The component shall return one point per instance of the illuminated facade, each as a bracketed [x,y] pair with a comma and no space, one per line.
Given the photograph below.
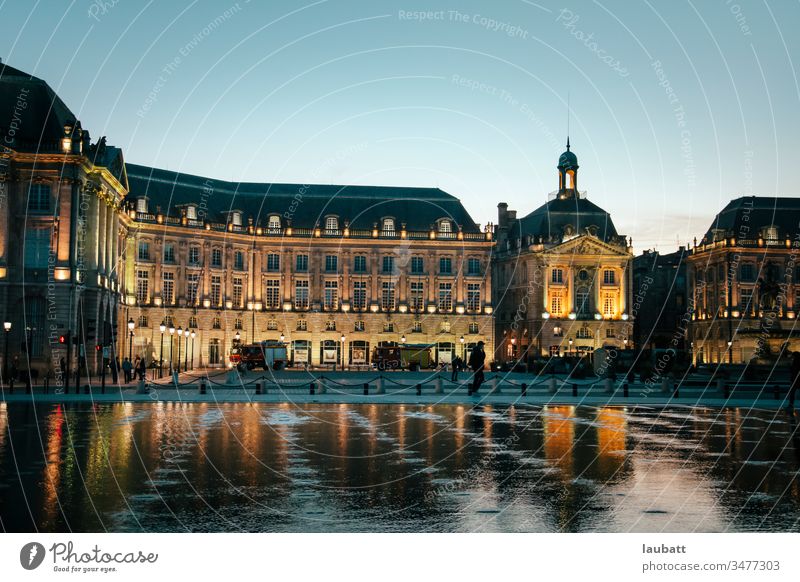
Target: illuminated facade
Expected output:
[60,202]
[334,271]
[744,282]
[561,276]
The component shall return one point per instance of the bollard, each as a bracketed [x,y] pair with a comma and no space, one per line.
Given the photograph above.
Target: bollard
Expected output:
[419,389]
[366,389]
[203,387]
[258,388]
[625,389]
[379,386]
[312,389]
[524,389]
[776,392]
[675,391]
[552,387]
[437,384]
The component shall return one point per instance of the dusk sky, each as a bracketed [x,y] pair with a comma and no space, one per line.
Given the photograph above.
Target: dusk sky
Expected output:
[676,107]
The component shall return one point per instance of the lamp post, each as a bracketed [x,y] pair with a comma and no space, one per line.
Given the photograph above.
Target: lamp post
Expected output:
[131,325]
[730,352]
[283,337]
[7,329]
[342,339]
[463,353]
[171,333]
[570,346]
[180,335]
[186,351]
[163,328]
[403,339]
[193,336]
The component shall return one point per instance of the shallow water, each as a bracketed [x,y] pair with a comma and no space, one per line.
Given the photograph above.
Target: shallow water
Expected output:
[331,467]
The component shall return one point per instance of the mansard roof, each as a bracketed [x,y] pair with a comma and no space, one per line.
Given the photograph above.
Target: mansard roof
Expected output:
[747,216]
[551,220]
[306,205]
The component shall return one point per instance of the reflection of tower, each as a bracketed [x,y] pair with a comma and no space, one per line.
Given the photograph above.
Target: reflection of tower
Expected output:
[567,174]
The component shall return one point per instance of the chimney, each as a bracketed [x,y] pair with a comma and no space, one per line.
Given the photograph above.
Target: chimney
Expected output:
[502,214]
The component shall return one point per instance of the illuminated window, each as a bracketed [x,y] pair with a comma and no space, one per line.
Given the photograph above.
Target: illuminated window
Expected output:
[144,250]
[473,328]
[387,296]
[272,294]
[417,295]
[302,325]
[194,255]
[272,325]
[39,198]
[556,304]
[237,324]
[331,298]
[359,325]
[445,296]
[192,286]
[142,287]
[169,253]
[216,290]
[168,288]
[417,327]
[445,227]
[330,325]
[388,327]
[273,262]
[359,295]
[141,205]
[274,224]
[301,294]
[191,212]
[557,276]
[237,219]
[608,305]
[584,333]
[608,277]
[388,226]
[473,296]
[216,257]
[237,292]
[331,224]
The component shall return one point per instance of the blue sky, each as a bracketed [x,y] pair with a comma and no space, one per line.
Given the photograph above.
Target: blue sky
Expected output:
[676,107]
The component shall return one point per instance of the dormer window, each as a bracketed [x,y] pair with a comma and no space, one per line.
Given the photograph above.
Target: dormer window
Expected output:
[445,227]
[388,226]
[191,212]
[331,224]
[771,233]
[274,223]
[141,205]
[236,218]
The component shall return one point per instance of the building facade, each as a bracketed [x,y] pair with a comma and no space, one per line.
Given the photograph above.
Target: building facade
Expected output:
[660,305]
[561,276]
[61,198]
[744,282]
[334,271]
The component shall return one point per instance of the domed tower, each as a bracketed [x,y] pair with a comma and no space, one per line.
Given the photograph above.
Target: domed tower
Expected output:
[567,174]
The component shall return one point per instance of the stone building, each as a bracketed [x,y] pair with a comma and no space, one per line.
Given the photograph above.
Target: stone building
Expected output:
[561,276]
[744,282]
[659,302]
[60,202]
[334,271]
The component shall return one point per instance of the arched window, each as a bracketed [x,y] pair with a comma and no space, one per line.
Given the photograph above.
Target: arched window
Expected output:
[388,226]
[274,223]
[331,224]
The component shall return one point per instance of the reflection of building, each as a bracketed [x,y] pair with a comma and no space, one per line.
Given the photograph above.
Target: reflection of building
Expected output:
[561,275]
[745,281]
[659,300]
[334,270]
[60,198]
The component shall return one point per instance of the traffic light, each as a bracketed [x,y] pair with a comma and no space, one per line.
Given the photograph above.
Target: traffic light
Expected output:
[62,339]
[97,347]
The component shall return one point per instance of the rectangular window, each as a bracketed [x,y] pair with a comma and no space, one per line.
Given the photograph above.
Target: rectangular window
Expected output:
[445,297]
[417,327]
[473,328]
[215,323]
[302,325]
[216,290]
[330,325]
[142,287]
[582,303]
[169,253]
[301,264]
[748,272]
[359,264]
[388,264]
[331,298]
[301,294]
[272,325]
[608,277]
[608,305]
[387,295]
[237,292]
[272,294]
[331,263]
[168,288]
[238,261]
[39,198]
[557,276]
[192,288]
[273,262]
[746,299]
[445,265]
[473,267]
[473,296]
[144,250]
[556,306]
[417,295]
[417,265]
[216,258]
[194,255]
[359,295]
[610,332]
[359,326]
[37,248]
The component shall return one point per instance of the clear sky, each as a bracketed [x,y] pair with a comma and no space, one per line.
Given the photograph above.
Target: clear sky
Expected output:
[677,107]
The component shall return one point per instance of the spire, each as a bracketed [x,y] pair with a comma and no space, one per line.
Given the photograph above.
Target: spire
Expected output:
[567,142]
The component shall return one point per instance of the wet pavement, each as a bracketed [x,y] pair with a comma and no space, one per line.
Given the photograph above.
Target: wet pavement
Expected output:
[302,467]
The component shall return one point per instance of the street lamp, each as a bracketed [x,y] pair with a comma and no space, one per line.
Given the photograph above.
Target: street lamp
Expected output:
[341,339]
[283,337]
[180,335]
[193,335]
[403,339]
[186,351]
[570,346]
[7,328]
[163,328]
[131,325]
[237,336]
[171,333]
[463,353]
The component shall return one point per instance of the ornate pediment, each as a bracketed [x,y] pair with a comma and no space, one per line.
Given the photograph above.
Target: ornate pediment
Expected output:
[587,245]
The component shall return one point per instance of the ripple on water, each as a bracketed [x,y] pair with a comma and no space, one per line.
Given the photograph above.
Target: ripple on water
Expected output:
[283,418]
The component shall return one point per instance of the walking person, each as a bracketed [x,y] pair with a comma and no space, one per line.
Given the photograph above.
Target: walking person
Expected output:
[456,365]
[794,378]
[126,369]
[141,371]
[476,360]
